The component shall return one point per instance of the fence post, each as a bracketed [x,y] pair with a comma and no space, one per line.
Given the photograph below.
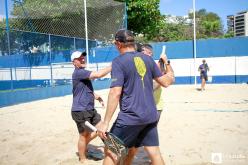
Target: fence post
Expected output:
[125,16]
[86,32]
[74,43]
[50,58]
[7,29]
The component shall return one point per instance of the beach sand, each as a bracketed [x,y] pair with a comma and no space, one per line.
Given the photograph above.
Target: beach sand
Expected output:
[196,128]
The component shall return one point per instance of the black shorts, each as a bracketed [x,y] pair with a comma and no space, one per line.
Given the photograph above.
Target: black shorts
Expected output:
[81,116]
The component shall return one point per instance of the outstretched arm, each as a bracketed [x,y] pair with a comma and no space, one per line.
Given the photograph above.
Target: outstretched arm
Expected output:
[100,73]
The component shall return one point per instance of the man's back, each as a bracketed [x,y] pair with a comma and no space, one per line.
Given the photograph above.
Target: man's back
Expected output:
[134,72]
[136,124]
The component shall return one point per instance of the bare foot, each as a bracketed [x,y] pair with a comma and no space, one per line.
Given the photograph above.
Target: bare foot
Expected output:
[83,161]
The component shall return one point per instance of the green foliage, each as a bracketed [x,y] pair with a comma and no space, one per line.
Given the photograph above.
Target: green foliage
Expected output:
[144,17]
[229,35]
[208,24]
[180,30]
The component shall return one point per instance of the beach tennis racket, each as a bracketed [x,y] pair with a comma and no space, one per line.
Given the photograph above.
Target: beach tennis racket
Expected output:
[113,143]
[161,62]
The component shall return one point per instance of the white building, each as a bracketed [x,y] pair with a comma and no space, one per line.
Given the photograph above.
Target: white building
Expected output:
[238,23]
[178,19]
[2,18]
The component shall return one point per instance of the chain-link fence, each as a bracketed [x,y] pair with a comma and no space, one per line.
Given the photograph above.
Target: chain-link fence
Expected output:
[36,36]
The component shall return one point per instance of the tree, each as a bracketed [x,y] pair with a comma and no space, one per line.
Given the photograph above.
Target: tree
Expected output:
[208,24]
[179,29]
[144,18]
[229,34]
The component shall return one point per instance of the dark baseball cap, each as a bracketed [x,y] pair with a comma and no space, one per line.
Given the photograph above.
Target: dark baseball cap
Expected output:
[138,47]
[124,36]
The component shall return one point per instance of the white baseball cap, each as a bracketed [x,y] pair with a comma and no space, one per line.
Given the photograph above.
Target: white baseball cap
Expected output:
[77,54]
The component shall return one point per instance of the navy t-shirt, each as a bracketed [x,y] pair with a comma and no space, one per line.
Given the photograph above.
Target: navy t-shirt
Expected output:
[83,92]
[134,72]
[203,68]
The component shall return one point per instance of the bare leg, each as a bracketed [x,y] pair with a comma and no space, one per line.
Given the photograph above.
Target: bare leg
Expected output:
[110,158]
[131,153]
[82,145]
[203,84]
[155,155]
[83,141]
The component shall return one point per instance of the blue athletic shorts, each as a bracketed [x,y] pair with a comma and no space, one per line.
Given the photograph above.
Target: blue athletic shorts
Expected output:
[137,135]
[159,114]
[204,76]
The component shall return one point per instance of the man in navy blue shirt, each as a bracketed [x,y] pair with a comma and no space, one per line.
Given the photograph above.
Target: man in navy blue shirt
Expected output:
[203,69]
[132,86]
[83,100]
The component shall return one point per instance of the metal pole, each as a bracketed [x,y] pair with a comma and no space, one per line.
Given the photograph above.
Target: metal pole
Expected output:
[7,29]
[30,72]
[125,15]
[7,24]
[86,31]
[194,41]
[74,40]
[50,56]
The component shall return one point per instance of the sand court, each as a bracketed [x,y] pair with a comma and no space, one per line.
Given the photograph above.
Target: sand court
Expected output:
[196,128]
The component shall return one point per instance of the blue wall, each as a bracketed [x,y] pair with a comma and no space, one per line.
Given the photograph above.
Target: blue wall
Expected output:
[205,48]
[20,96]
[237,46]
[175,50]
[215,79]
[6,84]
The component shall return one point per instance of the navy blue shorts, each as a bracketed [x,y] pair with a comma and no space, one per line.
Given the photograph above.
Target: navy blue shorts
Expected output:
[81,116]
[204,76]
[159,114]
[137,135]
